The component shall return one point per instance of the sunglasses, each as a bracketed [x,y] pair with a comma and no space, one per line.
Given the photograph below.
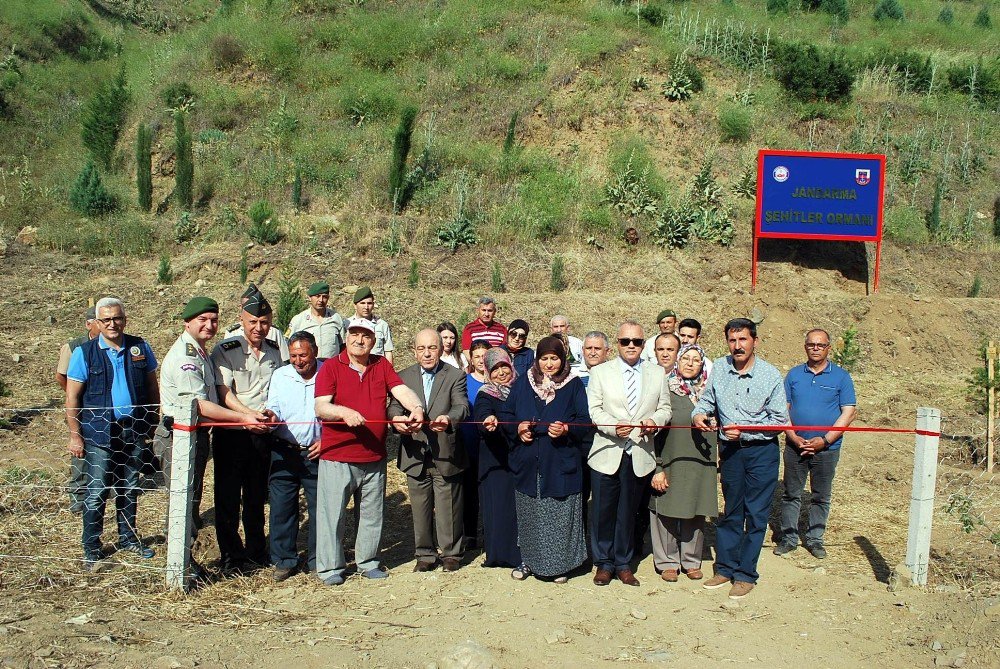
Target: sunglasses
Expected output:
[518,334]
[634,341]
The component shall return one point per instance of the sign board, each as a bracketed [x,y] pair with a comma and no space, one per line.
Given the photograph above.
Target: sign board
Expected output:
[820,196]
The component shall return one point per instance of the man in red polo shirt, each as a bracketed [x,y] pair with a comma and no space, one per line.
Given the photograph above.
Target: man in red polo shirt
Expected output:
[352,389]
[484,327]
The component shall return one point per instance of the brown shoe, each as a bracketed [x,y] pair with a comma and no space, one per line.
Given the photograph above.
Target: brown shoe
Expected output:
[716,581]
[627,577]
[450,564]
[694,574]
[740,589]
[669,575]
[424,566]
[603,577]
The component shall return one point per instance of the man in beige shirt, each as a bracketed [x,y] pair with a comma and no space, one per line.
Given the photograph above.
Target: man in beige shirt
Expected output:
[77,470]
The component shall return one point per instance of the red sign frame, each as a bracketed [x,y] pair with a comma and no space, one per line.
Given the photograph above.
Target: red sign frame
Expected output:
[759,234]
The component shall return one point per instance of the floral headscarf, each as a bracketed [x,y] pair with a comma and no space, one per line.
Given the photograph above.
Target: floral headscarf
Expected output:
[692,388]
[494,358]
[546,386]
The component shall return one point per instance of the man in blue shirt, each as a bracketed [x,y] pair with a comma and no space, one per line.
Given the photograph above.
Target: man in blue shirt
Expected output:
[743,390]
[294,454]
[110,390]
[819,393]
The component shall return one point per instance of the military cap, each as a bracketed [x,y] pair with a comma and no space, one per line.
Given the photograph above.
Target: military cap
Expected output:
[318,288]
[257,305]
[197,306]
[363,293]
[665,314]
[251,289]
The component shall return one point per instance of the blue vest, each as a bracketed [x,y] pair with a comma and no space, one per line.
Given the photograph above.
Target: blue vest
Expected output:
[97,408]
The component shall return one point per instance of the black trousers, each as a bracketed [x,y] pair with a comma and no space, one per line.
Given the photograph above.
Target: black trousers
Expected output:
[242,466]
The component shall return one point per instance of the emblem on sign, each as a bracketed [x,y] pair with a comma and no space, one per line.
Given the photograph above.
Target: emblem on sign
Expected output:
[863,177]
[780,174]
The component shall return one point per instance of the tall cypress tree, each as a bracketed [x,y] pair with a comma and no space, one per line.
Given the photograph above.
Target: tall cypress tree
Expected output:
[144,167]
[184,189]
[104,117]
[400,150]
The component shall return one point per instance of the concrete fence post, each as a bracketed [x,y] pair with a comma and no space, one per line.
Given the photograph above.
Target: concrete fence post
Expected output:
[925,457]
[181,496]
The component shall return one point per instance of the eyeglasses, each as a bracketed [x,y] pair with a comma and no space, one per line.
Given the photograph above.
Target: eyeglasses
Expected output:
[117,320]
[816,345]
[518,334]
[634,341]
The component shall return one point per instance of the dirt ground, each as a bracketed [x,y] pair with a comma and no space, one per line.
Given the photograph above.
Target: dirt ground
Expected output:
[919,341]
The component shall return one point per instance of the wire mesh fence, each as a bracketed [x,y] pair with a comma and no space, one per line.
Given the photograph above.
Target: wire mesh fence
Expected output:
[47,498]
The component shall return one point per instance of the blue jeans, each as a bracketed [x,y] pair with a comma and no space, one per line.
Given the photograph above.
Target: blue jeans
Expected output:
[749,477]
[291,470]
[820,469]
[114,467]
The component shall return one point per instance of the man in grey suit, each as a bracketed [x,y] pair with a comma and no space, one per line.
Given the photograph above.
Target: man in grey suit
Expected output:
[622,393]
[432,456]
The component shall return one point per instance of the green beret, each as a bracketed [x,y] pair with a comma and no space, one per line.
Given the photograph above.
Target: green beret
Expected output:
[257,305]
[197,306]
[363,293]
[664,314]
[251,289]
[318,288]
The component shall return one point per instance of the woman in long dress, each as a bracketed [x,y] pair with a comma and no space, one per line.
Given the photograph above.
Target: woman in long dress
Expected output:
[547,421]
[685,483]
[496,481]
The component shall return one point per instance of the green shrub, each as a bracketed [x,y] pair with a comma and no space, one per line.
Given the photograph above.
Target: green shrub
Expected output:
[778,6]
[746,185]
[947,15]
[888,10]
[10,77]
[461,229]
[652,14]
[933,216]
[734,123]
[164,272]
[557,279]
[976,287]
[184,177]
[67,30]
[290,300]
[118,235]
[848,354]
[263,227]
[88,195]
[400,150]
[810,74]
[279,53]
[982,19]
[144,167]
[186,228]
[510,139]
[177,95]
[244,266]
[837,9]
[630,193]
[225,52]
[996,218]
[673,227]
[905,225]
[414,277]
[980,80]
[297,188]
[497,284]
[103,118]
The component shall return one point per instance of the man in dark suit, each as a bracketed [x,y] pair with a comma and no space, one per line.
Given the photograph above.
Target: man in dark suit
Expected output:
[431,455]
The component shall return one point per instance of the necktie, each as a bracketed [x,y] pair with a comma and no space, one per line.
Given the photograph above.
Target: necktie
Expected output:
[632,390]
[428,384]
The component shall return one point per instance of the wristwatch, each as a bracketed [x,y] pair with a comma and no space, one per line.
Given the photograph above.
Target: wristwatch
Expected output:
[826,441]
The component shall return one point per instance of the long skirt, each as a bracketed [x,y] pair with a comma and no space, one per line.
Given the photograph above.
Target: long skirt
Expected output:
[550,533]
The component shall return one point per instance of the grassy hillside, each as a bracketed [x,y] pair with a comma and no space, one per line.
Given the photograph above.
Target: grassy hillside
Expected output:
[315,88]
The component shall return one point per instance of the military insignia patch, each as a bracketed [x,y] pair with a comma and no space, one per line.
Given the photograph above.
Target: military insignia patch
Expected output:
[272,344]
[230,345]
[188,367]
[135,350]
[191,351]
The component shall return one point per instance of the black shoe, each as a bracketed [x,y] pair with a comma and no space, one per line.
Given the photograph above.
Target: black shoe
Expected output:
[784,547]
[817,550]
[92,560]
[283,573]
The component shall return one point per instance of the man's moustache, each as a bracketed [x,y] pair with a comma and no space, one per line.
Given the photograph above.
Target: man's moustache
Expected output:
[739,351]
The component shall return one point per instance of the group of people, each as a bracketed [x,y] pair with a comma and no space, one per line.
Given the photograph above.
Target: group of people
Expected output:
[566,453]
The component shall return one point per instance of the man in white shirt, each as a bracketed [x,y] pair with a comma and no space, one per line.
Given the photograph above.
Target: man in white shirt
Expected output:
[559,326]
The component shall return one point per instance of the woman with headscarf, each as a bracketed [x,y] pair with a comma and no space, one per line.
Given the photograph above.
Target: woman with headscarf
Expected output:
[450,353]
[547,422]
[496,482]
[474,380]
[521,356]
[685,483]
